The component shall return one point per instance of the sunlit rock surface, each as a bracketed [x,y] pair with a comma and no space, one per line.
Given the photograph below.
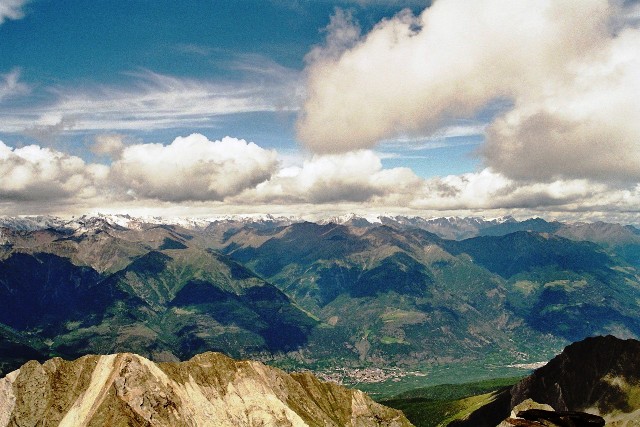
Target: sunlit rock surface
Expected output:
[209,390]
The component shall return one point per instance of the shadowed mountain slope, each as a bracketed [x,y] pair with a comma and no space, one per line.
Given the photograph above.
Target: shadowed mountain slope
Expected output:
[306,294]
[391,292]
[166,303]
[599,375]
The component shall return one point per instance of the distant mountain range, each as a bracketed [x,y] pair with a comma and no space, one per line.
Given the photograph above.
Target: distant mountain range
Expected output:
[104,288]
[352,291]
[452,228]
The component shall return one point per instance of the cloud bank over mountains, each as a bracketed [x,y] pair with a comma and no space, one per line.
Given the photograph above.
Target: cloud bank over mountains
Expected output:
[194,175]
[38,174]
[568,69]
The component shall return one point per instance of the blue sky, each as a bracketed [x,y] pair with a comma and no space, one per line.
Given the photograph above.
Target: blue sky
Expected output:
[365,105]
[85,45]
[87,40]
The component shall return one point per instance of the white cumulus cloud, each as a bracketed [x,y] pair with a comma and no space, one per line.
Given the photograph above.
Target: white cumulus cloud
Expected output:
[327,179]
[11,9]
[192,168]
[34,173]
[586,127]
[109,144]
[567,71]
[195,174]
[490,190]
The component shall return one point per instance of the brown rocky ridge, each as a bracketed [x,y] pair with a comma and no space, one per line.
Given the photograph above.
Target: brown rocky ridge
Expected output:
[209,390]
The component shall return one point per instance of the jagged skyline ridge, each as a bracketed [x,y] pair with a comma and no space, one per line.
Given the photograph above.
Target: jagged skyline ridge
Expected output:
[452,227]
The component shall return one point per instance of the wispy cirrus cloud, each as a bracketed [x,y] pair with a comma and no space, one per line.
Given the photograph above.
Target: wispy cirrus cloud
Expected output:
[446,136]
[160,101]
[11,86]
[194,49]
[156,101]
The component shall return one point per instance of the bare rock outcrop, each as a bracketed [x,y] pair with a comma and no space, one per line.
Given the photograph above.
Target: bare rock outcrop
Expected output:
[209,390]
[592,382]
[533,414]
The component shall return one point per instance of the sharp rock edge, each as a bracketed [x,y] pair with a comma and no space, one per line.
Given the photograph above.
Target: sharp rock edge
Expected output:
[208,390]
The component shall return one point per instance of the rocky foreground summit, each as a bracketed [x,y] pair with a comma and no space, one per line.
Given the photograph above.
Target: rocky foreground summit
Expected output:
[592,382]
[209,390]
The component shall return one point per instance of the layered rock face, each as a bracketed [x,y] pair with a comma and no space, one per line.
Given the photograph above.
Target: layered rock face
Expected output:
[599,375]
[208,390]
[592,382]
[532,414]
